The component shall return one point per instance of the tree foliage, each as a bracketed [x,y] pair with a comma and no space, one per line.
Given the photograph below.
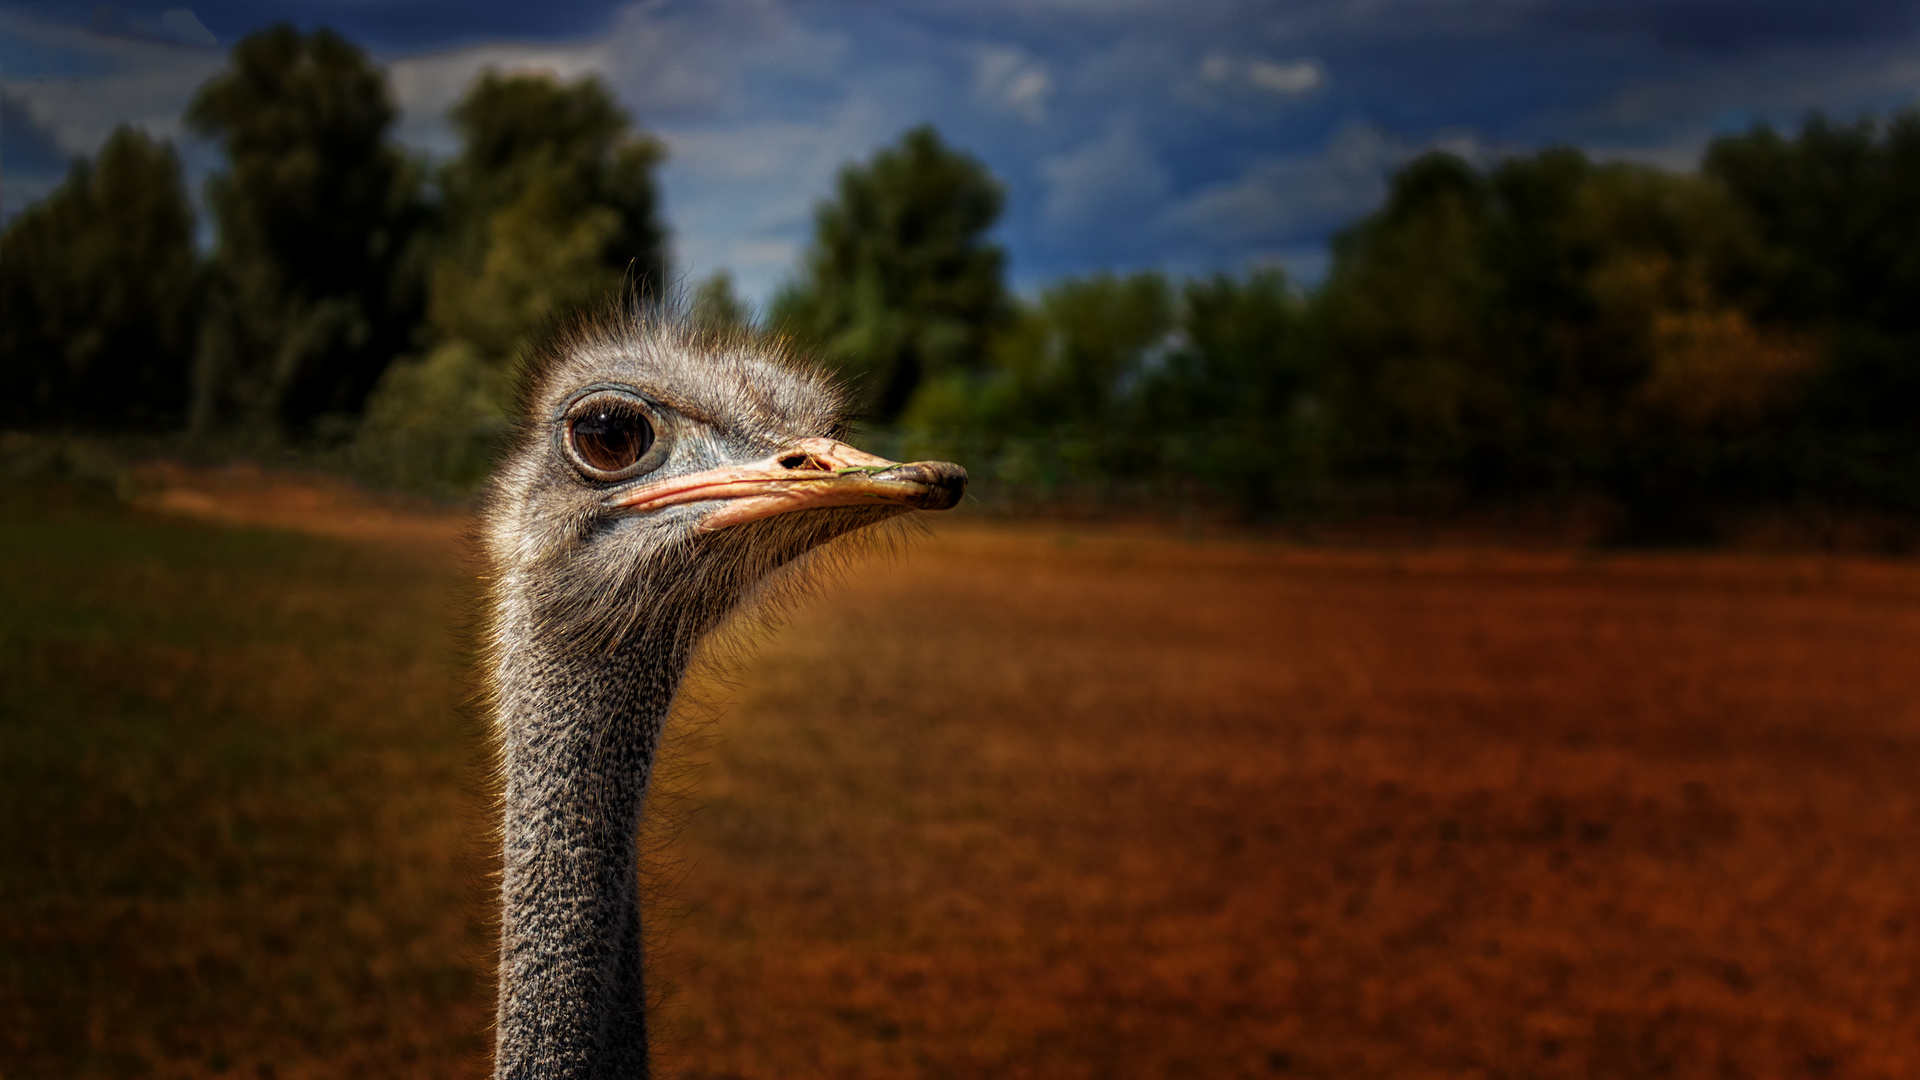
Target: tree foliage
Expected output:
[315,274]
[901,285]
[98,290]
[715,306]
[1238,402]
[1552,327]
[550,202]
[1067,361]
[1543,330]
[1129,379]
[1839,206]
[549,207]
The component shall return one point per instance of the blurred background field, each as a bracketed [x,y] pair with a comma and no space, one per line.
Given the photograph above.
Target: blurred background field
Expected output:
[1031,801]
[238,801]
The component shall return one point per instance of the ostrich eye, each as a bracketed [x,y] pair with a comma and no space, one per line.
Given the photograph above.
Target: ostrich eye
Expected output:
[610,436]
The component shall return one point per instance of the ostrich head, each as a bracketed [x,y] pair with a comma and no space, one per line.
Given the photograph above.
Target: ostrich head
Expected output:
[659,477]
[660,471]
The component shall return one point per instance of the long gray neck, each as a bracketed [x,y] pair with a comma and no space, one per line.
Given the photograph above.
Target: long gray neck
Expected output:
[579,733]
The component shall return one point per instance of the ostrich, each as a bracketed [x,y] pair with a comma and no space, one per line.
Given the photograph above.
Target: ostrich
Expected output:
[660,476]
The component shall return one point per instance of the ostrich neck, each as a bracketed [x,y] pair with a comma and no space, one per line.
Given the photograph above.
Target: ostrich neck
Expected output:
[579,732]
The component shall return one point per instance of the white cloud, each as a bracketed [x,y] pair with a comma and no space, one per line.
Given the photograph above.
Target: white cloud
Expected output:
[1287,77]
[1218,67]
[1297,77]
[1009,78]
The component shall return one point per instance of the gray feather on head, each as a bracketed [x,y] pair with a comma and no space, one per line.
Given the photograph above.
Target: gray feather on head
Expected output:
[726,396]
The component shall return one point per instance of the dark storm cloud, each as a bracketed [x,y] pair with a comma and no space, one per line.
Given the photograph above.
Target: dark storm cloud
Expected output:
[1727,26]
[418,24]
[377,24]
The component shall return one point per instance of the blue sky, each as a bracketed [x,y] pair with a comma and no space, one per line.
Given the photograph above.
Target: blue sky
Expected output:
[1189,135]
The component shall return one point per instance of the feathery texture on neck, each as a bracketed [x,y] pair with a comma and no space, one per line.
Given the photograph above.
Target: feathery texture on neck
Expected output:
[579,731]
[580,704]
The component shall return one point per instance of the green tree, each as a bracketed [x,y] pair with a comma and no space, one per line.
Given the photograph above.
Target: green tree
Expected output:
[1070,361]
[97,295]
[1555,327]
[1404,317]
[1243,354]
[550,202]
[316,282]
[1237,401]
[1839,207]
[901,286]
[549,207]
[1055,402]
[1126,379]
[716,306]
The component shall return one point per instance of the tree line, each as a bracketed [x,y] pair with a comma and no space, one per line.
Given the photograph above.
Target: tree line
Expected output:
[1541,330]
[353,295]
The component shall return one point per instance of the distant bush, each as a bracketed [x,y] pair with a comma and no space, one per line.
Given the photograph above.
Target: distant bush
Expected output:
[434,422]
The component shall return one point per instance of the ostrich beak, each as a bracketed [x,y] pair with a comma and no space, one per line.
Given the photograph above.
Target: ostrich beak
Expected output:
[809,475]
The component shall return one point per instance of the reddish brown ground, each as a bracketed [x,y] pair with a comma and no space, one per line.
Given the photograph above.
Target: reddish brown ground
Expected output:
[1040,802]
[1036,804]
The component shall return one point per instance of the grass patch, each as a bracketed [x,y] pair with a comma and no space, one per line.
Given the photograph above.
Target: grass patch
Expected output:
[240,820]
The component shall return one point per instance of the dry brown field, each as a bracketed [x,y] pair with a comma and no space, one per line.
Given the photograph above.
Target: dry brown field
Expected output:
[1053,801]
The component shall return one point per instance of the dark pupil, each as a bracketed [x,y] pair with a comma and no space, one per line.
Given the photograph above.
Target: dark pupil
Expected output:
[611,439]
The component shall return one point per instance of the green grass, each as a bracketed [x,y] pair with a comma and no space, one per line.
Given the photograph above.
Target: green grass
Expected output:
[241,829]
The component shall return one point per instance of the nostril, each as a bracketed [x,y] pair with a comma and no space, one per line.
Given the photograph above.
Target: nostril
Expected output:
[796,461]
